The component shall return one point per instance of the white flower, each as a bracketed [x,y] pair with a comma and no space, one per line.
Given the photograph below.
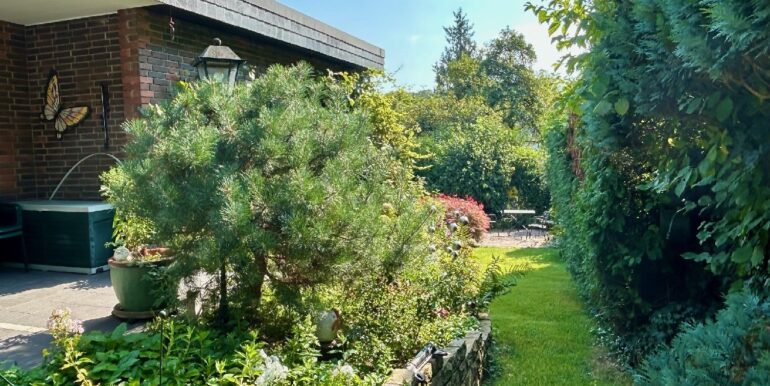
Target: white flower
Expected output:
[75,326]
[346,370]
[272,370]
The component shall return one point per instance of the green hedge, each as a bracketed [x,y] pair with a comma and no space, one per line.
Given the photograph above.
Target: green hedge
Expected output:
[660,183]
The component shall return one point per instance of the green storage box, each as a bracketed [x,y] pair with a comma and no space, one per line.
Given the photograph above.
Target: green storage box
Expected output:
[67,236]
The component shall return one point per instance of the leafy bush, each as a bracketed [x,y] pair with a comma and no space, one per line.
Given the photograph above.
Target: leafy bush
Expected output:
[658,169]
[304,201]
[497,282]
[528,188]
[732,349]
[485,161]
[433,112]
[192,355]
[388,319]
[466,211]
[474,161]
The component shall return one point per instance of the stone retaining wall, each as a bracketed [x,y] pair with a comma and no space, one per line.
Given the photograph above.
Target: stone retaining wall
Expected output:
[464,365]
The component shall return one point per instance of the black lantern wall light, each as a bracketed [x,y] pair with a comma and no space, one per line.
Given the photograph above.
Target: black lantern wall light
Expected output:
[218,63]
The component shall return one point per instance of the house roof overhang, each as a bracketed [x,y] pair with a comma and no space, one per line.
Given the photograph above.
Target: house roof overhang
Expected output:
[276,21]
[31,12]
[267,18]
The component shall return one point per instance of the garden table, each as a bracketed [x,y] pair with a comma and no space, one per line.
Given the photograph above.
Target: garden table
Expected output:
[509,215]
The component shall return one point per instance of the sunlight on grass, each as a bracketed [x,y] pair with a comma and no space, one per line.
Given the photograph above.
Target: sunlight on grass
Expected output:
[542,333]
[534,258]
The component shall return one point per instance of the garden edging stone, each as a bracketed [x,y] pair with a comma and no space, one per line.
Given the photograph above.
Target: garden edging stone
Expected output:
[463,364]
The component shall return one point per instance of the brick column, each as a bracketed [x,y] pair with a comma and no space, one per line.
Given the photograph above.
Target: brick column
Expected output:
[131,26]
[16,172]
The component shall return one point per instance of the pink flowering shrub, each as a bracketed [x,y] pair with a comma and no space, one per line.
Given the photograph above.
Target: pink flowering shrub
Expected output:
[465,211]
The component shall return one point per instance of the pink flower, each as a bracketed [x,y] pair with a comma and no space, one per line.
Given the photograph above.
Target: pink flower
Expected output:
[75,326]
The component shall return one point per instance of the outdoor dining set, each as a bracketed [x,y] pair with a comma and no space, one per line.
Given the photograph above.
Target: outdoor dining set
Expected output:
[524,222]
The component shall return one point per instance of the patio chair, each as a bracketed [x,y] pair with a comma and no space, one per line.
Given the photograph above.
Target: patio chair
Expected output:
[10,227]
[493,222]
[541,224]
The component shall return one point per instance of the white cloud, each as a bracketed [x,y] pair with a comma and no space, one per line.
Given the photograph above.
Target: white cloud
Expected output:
[414,38]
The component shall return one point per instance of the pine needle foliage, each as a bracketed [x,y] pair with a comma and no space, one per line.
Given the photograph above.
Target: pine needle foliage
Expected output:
[274,180]
[459,38]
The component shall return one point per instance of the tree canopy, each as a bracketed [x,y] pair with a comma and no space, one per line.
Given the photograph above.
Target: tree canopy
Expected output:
[459,38]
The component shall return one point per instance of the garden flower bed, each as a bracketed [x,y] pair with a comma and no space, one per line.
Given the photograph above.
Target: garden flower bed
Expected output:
[282,194]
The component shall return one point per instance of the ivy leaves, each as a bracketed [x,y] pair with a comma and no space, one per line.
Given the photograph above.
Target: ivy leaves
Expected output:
[724,108]
[621,106]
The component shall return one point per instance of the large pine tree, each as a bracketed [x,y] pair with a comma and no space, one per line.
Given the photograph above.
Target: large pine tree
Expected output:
[459,39]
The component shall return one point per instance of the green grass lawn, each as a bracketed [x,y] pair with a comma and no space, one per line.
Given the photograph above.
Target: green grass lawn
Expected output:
[542,332]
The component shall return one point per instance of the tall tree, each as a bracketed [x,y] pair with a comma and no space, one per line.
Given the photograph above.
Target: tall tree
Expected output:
[460,42]
[512,89]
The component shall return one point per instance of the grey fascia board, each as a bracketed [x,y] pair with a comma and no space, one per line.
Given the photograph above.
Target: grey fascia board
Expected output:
[277,21]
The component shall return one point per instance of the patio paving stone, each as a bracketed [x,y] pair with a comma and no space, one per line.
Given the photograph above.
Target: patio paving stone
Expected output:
[26,302]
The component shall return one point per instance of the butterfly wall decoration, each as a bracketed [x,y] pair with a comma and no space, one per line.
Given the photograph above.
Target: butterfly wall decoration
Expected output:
[64,118]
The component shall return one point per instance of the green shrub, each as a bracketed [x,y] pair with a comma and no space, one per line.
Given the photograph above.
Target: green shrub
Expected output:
[285,180]
[192,355]
[388,319]
[659,168]
[732,349]
[480,158]
[476,161]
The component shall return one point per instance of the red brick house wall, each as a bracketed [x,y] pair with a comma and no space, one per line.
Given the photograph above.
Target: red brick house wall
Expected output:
[17,178]
[163,59]
[86,53]
[133,53]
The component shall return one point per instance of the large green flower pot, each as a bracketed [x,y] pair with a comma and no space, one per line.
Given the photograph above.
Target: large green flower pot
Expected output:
[132,286]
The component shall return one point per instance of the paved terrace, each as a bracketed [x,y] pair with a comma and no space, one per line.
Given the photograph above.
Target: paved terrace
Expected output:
[26,302]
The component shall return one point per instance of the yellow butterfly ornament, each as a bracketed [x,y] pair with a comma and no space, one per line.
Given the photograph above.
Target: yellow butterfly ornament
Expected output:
[63,118]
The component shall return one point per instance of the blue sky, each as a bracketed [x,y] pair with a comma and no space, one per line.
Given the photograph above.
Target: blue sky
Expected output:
[411,34]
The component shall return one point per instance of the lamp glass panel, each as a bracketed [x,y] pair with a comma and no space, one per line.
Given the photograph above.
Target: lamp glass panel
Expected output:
[218,71]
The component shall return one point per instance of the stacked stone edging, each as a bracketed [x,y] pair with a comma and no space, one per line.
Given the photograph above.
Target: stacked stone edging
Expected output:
[464,364]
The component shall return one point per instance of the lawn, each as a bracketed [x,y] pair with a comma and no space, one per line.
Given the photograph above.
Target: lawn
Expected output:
[542,332]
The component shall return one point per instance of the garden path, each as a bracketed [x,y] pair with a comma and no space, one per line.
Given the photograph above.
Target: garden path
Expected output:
[542,331]
[516,239]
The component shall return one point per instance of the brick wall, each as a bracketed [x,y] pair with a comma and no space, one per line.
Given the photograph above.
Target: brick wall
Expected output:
[164,59]
[17,179]
[86,53]
[132,52]
[464,364]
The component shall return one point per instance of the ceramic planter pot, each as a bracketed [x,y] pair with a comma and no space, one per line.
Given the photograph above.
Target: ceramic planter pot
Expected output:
[129,281]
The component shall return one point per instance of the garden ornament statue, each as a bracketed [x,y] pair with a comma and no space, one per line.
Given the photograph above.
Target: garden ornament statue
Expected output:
[329,323]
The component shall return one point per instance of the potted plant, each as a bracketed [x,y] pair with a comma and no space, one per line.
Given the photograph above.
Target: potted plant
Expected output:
[135,269]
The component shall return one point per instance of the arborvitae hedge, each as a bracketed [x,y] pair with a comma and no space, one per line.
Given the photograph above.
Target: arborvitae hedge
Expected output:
[662,184]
